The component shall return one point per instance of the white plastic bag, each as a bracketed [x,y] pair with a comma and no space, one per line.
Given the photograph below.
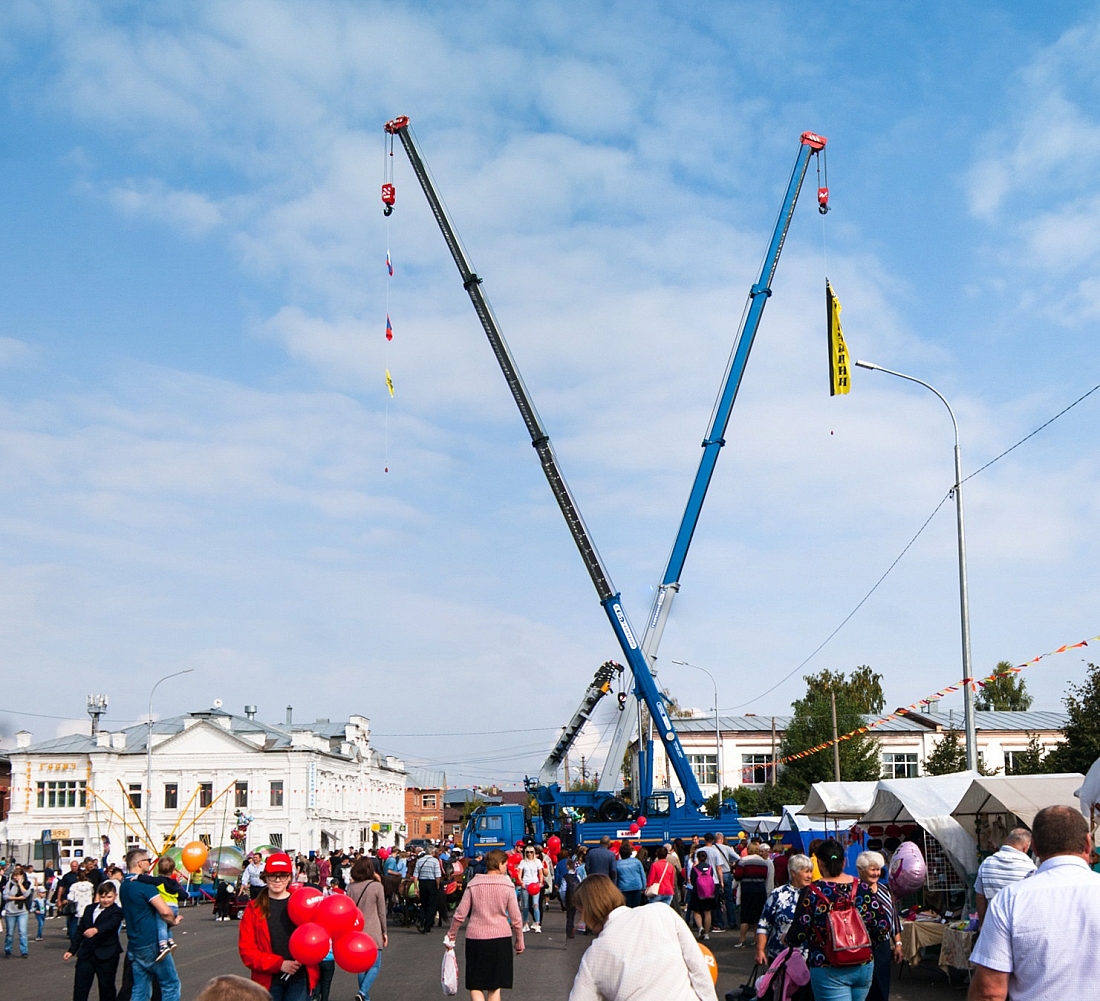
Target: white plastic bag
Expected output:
[448,976]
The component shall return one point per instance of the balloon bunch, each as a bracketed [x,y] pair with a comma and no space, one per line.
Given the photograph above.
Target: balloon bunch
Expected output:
[329,923]
[638,825]
[239,834]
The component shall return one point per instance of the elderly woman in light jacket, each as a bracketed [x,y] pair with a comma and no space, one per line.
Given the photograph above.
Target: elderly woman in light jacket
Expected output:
[639,953]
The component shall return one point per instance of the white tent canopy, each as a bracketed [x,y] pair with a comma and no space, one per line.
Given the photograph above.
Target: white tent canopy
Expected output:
[1019,796]
[839,800]
[1089,793]
[794,820]
[928,801]
[760,825]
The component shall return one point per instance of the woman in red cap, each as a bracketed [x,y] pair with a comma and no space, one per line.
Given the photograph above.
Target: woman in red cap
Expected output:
[264,940]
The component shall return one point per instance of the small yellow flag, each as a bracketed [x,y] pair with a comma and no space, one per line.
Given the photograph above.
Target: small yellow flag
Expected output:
[389,383]
[839,381]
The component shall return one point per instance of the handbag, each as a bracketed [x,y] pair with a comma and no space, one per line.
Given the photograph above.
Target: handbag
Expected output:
[654,889]
[846,940]
[448,976]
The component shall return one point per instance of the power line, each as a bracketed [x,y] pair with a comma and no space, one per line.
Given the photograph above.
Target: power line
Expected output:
[909,545]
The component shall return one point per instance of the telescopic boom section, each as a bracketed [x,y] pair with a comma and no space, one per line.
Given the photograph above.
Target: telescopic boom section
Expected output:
[597,689]
[810,143]
[609,598]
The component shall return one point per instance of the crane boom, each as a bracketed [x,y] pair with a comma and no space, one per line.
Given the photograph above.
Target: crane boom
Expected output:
[809,143]
[597,689]
[609,598]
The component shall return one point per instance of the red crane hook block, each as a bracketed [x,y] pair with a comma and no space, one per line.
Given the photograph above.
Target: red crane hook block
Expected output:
[389,196]
[823,200]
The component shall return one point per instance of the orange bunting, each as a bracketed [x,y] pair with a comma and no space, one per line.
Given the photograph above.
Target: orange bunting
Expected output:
[974,685]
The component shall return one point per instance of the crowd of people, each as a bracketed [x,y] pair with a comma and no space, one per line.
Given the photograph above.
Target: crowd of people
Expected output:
[820,932]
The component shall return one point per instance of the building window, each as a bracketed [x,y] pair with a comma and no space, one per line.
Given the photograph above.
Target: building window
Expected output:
[275,840]
[134,795]
[61,795]
[428,827]
[205,839]
[428,799]
[755,770]
[705,767]
[899,766]
[70,848]
[206,794]
[277,794]
[171,795]
[241,794]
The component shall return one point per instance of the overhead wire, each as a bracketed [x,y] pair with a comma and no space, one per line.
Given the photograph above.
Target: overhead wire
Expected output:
[909,544]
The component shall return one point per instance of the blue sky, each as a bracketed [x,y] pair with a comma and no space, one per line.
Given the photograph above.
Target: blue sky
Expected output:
[192,407]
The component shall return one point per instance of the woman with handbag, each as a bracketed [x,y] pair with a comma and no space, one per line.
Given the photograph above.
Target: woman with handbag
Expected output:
[828,921]
[661,882]
[494,931]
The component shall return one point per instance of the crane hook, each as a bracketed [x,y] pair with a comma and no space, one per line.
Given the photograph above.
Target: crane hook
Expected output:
[823,200]
[389,196]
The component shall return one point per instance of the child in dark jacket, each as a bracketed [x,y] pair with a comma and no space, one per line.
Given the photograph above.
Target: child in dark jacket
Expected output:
[96,946]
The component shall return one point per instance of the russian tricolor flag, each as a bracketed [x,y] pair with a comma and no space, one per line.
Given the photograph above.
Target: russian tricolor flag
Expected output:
[389,328]
[389,264]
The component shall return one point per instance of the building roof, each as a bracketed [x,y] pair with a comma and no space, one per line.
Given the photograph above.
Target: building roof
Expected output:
[425,778]
[275,738]
[460,797]
[1018,722]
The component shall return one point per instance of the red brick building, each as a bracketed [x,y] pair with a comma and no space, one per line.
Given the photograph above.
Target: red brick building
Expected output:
[424,791]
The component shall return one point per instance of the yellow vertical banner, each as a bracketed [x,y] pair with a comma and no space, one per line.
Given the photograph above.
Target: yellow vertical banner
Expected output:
[839,381]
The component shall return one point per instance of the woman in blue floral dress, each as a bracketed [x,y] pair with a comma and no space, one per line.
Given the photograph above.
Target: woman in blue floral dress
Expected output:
[778,913]
[880,915]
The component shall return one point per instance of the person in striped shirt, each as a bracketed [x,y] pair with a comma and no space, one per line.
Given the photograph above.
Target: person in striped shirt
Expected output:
[1009,864]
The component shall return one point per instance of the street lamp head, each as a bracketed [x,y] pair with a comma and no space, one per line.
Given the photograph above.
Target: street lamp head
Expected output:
[868,364]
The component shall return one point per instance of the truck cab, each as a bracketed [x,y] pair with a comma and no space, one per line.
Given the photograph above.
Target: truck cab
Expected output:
[499,826]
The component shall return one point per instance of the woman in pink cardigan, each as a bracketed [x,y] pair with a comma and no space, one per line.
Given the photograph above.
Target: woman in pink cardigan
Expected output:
[490,904]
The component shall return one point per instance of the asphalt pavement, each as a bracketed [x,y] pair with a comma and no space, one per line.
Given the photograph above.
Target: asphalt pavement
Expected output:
[410,966]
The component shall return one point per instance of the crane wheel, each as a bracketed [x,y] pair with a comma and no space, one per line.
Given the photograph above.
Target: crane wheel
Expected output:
[612,811]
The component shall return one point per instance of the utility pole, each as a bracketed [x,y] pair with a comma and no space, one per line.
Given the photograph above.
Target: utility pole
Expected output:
[584,772]
[775,766]
[565,770]
[836,742]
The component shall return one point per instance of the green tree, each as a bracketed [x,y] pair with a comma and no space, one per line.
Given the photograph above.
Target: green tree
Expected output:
[811,725]
[1081,747]
[710,807]
[1004,692]
[1031,761]
[949,755]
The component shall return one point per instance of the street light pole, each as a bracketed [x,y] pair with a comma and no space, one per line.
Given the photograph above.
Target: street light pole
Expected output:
[717,730]
[149,757]
[964,597]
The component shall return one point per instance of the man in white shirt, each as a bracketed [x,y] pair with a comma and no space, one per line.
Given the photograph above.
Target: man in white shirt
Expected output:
[1009,864]
[253,877]
[1039,937]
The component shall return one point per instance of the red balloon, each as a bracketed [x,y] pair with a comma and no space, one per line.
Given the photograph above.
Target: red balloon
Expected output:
[302,905]
[355,952]
[359,922]
[642,821]
[533,889]
[309,943]
[336,914]
[553,843]
[634,828]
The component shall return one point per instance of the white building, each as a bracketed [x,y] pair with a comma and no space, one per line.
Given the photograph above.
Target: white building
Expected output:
[748,743]
[306,786]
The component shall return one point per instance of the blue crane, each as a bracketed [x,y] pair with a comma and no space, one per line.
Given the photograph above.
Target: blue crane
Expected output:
[809,144]
[639,655]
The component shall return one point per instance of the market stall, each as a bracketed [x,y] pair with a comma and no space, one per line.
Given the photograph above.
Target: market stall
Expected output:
[1089,796]
[993,805]
[950,852]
